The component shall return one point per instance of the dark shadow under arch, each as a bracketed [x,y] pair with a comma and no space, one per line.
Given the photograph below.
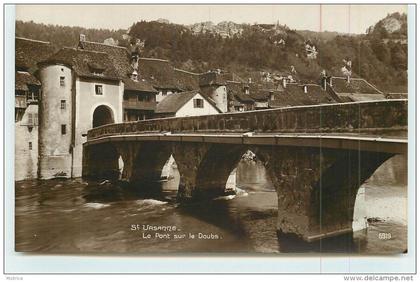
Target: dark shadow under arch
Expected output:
[102,115]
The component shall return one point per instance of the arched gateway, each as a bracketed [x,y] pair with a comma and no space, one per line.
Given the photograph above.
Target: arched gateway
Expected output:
[102,115]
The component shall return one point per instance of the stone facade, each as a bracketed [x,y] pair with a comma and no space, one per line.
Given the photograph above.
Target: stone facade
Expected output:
[316,188]
[73,102]
[55,129]
[218,93]
[86,103]
[26,145]
[27,90]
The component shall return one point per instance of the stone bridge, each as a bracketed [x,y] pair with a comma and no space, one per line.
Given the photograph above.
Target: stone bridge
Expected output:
[317,156]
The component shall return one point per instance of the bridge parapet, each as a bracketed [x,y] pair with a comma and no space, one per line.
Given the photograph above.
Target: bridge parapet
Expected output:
[385,118]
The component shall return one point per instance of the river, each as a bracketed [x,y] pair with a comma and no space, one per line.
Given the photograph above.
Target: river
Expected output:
[74,216]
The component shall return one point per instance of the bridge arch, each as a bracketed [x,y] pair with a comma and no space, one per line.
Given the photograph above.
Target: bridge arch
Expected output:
[215,168]
[102,114]
[101,161]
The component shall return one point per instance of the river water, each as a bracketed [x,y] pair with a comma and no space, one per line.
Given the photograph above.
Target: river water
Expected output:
[74,216]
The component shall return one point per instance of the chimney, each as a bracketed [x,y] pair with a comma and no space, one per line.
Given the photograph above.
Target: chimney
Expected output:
[249,80]
[272,95]
[348,78]
[330,81]
[246,89]
[135,64]
[134,75]
[284,82]
[305,89]
[82,38]
[324,83]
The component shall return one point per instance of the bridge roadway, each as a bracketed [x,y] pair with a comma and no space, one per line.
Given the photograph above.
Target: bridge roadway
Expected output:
[393,145]
[316,156]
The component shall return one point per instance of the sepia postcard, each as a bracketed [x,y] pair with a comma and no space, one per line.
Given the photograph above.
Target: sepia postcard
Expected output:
[240,130]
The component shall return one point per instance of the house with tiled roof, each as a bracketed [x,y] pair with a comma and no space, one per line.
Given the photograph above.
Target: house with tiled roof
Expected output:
[238,96]
[183,104]
[28,53]
[139,99]
[147,81]
[187,80]
[81,89]
[167,79]
[254,96]
[350,89]
[296,94]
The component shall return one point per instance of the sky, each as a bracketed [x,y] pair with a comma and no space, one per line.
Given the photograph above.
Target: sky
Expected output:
[340,18]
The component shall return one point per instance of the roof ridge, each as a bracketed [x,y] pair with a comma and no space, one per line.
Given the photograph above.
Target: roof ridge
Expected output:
[186,92]
[189,72]
[311,84]
[33,40]
[361,79]
[101,43]
[154,59]
[351,78]
[83,50]
[373,86]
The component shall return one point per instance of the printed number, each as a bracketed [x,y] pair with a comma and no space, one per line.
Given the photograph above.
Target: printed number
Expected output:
[384,236]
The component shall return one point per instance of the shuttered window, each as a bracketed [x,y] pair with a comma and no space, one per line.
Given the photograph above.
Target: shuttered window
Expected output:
[198,103]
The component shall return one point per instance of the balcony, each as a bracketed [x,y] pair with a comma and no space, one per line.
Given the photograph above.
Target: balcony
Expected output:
[139,105]
[20,102]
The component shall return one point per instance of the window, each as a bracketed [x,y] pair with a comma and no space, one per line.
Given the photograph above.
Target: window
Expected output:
[35,95]
[125,97]
[98,90]
[62,81]
[35,116]
[198,103]
[164,93]
[30,119]
[32,95]
[30,145]
[63,129]
[143,98]
[63,104]
[272,96]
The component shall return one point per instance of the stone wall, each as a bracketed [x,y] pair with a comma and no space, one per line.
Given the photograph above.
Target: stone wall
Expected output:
[388,117]
[26,157]
[316,187]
